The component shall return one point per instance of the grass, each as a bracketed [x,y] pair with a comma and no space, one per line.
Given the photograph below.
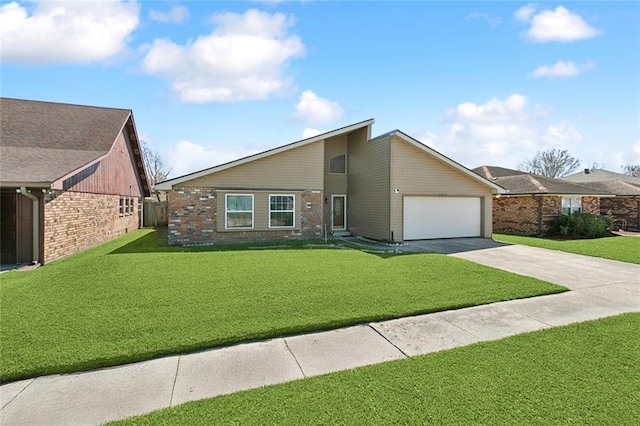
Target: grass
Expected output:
[586,373]
[624,249]
[131,299]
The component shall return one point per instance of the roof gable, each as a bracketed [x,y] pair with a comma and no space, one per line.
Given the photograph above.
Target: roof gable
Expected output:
[444,159]
[168,184]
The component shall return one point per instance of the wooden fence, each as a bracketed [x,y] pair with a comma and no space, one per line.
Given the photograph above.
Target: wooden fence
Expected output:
[154,214]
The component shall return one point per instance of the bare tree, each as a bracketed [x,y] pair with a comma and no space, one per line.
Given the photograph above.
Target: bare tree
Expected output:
[157,170]
[631,170]
[551,163]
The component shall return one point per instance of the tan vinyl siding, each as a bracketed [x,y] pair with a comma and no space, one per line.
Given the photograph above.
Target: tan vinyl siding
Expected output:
[293,169]
[334,184]
[260,209]
[369,189]
[415,172]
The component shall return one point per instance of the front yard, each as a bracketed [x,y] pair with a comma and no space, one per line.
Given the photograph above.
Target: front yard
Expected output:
[129,300]
[582,374]
[624,249]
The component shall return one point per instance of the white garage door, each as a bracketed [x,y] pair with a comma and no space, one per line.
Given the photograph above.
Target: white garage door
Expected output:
[441,217]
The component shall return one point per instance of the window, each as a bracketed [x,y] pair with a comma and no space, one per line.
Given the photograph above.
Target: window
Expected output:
[281,211]
[338,165]
[571,205]
[126,206]
[239,211]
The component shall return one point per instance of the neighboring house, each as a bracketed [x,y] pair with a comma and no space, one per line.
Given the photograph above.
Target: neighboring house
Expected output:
[533,201]
[624,207]
[71,177]
[389,188]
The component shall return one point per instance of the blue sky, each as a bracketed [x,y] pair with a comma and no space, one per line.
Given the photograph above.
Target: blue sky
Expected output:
[208,82]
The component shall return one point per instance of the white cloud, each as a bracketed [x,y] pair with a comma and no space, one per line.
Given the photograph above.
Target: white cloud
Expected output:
[555,25]
[312,109]
[177,15]
[525,12]
[562,134]
[63,31]
[187,157]
[493,21]
[561,69]
[636,150]
[309,132]
[244,57]
[501,132]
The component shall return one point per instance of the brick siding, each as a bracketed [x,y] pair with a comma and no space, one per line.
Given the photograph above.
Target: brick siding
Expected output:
[193,219]
[522,215]
[75,221]
[622,209]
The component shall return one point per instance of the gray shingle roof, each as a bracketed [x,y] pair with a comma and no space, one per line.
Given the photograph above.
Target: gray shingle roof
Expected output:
[535,184]
[601,175]
[616,187]
[490,172]
[43,141]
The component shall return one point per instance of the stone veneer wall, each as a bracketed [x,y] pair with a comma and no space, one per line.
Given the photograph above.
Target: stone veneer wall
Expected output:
[622,208]
[193,219]
[75,221]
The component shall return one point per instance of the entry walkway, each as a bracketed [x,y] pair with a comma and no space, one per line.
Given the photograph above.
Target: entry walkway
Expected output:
[600,288]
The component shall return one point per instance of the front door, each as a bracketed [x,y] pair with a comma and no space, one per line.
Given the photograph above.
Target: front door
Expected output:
[339,212]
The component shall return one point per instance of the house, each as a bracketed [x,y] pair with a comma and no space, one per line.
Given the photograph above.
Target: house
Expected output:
[71,176]
[389,188]
[624,207]
[533,201]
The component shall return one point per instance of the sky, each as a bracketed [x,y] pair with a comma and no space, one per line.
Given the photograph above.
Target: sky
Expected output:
[484,83]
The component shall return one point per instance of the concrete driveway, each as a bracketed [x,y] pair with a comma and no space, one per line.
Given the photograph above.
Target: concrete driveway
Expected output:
[450,245]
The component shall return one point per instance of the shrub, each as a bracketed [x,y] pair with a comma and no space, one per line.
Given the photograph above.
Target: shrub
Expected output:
[581,225]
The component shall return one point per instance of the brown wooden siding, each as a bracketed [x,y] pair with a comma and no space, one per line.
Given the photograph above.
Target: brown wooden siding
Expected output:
[415,172]
[116,174]
[369,187]
[297,168]
[334,184]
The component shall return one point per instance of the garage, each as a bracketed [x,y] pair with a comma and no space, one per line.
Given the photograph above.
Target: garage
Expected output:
[441,217]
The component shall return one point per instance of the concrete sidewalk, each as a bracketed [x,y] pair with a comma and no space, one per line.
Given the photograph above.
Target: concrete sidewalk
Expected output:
[601,288]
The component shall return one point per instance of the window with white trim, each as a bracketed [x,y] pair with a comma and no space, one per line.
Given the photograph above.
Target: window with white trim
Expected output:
[238,211]
[571,205]
[282,211]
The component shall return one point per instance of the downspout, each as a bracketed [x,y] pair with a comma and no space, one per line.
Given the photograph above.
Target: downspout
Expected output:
[36,227]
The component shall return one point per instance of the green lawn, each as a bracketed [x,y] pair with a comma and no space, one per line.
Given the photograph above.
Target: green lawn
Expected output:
[581,374]
[624,249]
[129,299]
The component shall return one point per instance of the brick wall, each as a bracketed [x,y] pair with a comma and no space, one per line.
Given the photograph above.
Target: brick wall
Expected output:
[193,216]
[75,221]
[621,208]
[522,215]
[591,205]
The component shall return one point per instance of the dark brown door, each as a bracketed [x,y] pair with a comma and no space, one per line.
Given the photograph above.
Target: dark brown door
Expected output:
[24,234]
[8,228]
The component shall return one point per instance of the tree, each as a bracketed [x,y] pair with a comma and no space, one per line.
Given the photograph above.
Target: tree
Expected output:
[551,163]
[156,170]
[631,170]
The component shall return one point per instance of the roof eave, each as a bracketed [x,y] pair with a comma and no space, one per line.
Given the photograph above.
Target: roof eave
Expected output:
[168,184]
[18,184]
